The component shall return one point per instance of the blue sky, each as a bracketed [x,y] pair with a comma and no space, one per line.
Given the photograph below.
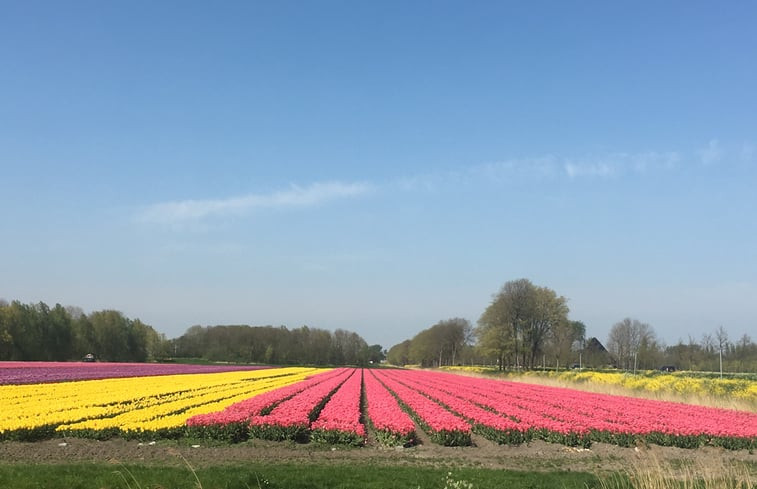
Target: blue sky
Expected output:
[380,166]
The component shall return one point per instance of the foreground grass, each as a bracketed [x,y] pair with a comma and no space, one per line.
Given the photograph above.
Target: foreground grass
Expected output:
[283,476]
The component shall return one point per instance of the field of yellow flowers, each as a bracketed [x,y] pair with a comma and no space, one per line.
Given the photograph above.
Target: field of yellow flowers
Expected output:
[132,405]
[678,385]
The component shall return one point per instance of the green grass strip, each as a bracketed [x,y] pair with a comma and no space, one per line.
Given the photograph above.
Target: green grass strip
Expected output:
[281,476]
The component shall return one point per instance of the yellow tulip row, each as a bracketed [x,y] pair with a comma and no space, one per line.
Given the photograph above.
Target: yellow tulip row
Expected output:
[137,403]
[678,384]
[743,389]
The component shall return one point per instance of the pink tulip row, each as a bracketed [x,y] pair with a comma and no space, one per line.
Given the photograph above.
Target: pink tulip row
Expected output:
[393,425]
[500,419]
[242,411]
[339,421]
[43,372]
[444,427]
[292,417]
[622,420]
[449,407]
[485,421]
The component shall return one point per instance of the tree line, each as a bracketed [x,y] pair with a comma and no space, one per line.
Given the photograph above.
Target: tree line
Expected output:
[276,345]
[527,326]
[634,344]
[37,332]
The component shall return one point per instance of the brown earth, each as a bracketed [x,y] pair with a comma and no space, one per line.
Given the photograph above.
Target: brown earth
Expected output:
[536,456]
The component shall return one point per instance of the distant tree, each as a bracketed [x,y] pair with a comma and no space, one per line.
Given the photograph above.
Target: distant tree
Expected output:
[399,354]
[745,355]
[708,343]
[159,347]
[25,331]
[347,348]
[6,340]
[441,343]
[627,339]
[721,338]
[111,329]
[138,338]
[453,335]
[425,347]
[191,344]
[60,340]
[565,338]
[374,354]
[519,320]
[272,345]
[75,312]
[318,346]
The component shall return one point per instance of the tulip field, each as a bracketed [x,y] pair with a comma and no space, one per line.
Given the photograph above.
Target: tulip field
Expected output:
[41,372]
[348,406]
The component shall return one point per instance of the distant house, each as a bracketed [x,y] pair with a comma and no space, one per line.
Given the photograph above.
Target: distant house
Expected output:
[595,355]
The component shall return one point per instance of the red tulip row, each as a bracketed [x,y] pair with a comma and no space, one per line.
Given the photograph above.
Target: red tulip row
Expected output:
[443,426]
[339,421]
[392,425]
[290,419]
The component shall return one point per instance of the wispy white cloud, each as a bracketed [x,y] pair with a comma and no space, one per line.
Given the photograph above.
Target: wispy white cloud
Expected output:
[712,154]
[598,166]
[578,168]
[547,167]
[294,196]
[652,160]
[539,167]
[618,164]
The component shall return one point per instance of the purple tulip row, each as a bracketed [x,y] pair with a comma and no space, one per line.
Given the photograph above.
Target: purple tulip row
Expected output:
[44,372]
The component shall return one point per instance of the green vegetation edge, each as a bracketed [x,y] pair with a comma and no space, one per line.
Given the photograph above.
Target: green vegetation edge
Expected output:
[280,476]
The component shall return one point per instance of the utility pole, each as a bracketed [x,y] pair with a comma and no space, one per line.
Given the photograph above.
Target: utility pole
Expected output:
[634,362]
[721,362]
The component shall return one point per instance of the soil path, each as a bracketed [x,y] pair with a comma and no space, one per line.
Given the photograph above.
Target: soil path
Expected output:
[537,455]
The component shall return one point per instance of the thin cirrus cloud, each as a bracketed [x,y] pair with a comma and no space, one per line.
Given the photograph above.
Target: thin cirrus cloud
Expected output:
[548,167]
[602,166]
[617,164]
[293,197]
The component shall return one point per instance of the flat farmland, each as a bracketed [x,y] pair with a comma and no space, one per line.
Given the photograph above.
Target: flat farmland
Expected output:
[353,417]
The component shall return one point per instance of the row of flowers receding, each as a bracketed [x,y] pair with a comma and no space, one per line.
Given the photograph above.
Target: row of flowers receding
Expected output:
[450,408]
[325,408]
[579,418]
[14,373]
[336,406]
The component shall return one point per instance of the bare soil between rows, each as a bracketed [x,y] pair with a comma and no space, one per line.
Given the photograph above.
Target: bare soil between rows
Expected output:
[534,456]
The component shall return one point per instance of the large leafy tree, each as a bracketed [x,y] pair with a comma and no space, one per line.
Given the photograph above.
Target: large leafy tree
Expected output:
[518,322]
